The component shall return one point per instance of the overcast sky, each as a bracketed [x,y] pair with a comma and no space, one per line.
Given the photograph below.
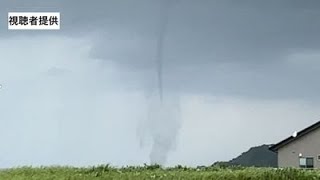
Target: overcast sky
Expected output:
[244,73]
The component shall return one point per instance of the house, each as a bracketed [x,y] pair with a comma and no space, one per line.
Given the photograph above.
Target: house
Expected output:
[302,149]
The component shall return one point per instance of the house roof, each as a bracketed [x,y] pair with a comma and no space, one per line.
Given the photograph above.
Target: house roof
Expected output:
[290,139]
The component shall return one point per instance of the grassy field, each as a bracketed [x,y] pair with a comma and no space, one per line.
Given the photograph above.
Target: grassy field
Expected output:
[156,172]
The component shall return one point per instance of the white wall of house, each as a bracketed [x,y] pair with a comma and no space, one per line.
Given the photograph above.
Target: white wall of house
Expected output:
[307,146]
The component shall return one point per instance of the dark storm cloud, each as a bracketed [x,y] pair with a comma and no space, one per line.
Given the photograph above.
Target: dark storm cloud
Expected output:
[219,47]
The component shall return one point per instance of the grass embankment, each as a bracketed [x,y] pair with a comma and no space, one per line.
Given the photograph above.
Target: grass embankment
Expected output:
[156,172]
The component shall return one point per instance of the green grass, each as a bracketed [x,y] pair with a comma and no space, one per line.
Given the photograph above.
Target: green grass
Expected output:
[156,172]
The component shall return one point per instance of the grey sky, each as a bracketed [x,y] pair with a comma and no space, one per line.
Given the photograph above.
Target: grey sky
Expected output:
[246,73]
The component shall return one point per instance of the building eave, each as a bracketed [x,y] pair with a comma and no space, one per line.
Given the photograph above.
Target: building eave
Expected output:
[290,139]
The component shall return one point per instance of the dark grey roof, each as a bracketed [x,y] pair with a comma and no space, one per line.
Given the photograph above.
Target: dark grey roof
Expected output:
[291,138]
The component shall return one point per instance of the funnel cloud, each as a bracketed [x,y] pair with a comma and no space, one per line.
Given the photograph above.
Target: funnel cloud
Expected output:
[163,118]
